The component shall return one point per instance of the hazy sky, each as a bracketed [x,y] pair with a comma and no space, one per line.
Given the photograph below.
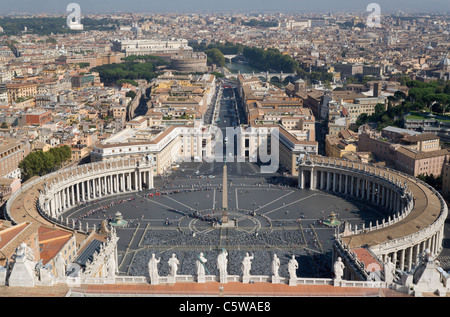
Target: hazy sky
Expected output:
[149,6]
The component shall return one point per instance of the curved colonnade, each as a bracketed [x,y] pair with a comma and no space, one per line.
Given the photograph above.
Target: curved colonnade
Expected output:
[60,191]
[415,213]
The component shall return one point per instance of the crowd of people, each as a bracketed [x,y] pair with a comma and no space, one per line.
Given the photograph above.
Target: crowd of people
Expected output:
[103,208]
[207,218]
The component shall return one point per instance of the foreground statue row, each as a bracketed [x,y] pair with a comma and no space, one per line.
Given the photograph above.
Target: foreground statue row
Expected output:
[222,263]
[427,277]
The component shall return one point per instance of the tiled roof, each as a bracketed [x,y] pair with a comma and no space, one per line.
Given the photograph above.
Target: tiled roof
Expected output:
[422,155]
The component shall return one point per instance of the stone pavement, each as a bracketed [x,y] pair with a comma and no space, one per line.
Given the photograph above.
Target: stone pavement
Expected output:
[59,290]
[230,289]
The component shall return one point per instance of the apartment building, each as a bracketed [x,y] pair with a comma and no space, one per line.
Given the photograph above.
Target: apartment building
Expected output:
[20,90]
[417,163]
[35,118]
[446,180]
[182,96]
[165,145]
[12,152]
[363,105]
[150,46]
[413,154]
[338,145]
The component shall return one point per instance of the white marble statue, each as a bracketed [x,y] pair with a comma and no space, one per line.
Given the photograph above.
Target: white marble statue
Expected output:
[46,278]
[201,264]
[427,256]
[111,266]
[389,271]
[292,268]
[153,269]
[60,266]
[338,269]
[275,265]
[222,263]
[173,265]
[247,264]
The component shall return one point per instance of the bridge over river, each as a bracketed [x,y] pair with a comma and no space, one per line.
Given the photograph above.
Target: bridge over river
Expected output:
[267,76]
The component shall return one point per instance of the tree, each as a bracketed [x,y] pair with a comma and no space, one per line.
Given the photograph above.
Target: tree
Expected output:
[48,160]
[447,89]
[380,108]
[270,59]
[218,75]
[433,181]
[399,95]
[84,65]
[215,56]
[31,165]
[362,119]
[130,70]
[421,96]
[131,94]
[39,163]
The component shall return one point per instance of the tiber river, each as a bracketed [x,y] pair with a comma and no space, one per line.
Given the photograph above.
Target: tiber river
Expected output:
[243,68]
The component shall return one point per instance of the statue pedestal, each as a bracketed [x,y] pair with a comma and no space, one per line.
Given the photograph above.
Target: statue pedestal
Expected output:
[61,280]
[246,279]
[171,279]
[292,282]
[223,279]
[337,282]
[229,224]
[46,278]
[276,279]
[154,281]
[22,273]
[429,280]
[201,279]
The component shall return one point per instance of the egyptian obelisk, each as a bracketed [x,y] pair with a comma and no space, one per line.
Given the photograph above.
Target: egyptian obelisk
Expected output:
[225,194]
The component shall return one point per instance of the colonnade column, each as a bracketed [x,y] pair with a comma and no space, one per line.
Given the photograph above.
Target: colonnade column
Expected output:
[313,179]
[374,192]
[352,187]
[73,195]
[63,196]
[402,260]
[150,177]
[301,179]
[322,180]
[83,190]
[357,195]
[346,183]
[328,181]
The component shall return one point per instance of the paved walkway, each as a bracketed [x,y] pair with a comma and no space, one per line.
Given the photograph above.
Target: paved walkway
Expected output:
[59,290]
[232,289]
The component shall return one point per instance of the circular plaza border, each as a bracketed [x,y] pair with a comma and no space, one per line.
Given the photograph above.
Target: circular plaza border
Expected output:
[415,220]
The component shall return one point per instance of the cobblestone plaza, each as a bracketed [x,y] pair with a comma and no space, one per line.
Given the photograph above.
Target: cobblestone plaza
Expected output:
[270,216]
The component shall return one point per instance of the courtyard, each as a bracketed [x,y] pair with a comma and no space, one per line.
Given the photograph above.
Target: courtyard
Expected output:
[268,215]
